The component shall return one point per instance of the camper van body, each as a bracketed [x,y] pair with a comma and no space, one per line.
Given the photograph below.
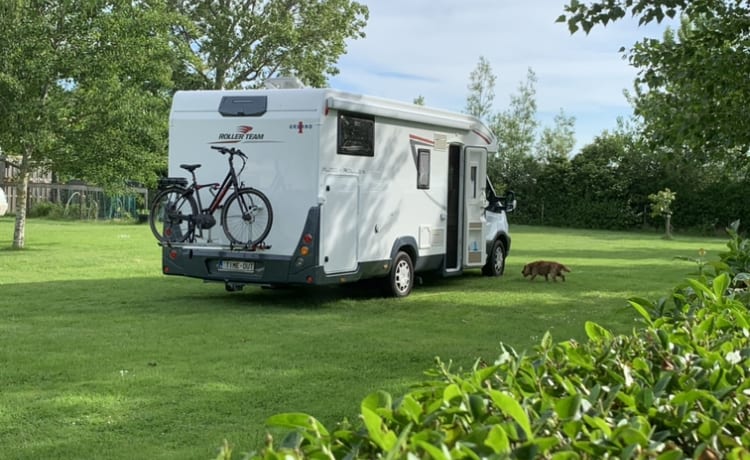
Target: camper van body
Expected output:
[360,187]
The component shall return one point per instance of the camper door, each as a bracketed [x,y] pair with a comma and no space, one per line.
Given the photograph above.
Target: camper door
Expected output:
[475,164]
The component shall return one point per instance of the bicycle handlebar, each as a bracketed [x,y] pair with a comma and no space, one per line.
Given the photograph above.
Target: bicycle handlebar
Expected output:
[229,150]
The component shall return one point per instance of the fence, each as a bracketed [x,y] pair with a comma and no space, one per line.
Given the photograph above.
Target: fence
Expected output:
[82,201]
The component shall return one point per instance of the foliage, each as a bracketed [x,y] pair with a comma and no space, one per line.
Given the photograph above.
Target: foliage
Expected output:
[47,209]
[84,91]
[240,43]
[591,190]
[481,90]
[676,388]
[692,90]
[82,86]
[607,186]
[516,126]
[661,206]
[557,142]
[736,260]
[515,129]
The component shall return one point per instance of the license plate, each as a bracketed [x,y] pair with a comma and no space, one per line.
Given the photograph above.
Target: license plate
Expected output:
[236,266]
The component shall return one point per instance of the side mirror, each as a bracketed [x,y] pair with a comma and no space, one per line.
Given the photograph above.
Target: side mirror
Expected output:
[510,201]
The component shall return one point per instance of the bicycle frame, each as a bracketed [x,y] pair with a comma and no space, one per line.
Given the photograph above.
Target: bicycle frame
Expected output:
[222,190]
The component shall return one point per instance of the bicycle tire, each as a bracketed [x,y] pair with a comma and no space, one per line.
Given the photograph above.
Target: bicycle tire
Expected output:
[169,216]
[246,217]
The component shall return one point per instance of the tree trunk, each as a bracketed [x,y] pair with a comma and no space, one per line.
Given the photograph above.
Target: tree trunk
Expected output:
[668,225]
[22,199]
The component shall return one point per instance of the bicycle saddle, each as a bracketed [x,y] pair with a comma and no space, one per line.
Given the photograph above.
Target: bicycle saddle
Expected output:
[190,168]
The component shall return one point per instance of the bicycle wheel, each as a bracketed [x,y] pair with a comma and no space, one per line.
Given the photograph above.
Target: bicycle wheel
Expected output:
[170,215]
[247,217]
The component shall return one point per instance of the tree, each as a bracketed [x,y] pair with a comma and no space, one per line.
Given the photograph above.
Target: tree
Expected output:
[419,100]
[515,129]
[661,205]
[692,89]
[241,43]
[481,90]
[557,142]
[83,90]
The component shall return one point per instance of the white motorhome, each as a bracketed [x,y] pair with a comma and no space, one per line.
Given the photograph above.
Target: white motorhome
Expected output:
[360,187]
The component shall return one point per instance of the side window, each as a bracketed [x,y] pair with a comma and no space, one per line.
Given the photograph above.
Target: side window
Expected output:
[473,178]
[423,169]
[356,135]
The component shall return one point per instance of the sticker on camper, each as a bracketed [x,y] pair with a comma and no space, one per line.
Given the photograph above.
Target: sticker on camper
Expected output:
[300,127]
[243,133]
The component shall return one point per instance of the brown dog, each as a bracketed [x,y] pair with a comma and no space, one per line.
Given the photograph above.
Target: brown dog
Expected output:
[546,268]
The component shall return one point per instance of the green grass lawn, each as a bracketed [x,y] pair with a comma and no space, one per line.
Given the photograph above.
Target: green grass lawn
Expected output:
[101,356]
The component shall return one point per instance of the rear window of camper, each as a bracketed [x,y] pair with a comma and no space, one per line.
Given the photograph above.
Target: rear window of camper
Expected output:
[356,135]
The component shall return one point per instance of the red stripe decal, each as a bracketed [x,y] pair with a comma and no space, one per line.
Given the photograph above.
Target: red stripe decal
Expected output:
[485,138]
[421,139]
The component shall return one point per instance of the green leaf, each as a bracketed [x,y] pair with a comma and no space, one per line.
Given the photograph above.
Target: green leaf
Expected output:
[598,423]
[433,451]
[297,420]
[410,408]
[675,454]
[571,429]
[483,374]
[567,408]
[377,400]
[691,396]
[638,305]
[566,455]
[380,435]
[497,440]
[596,333]
[452,392]
[546,341]
[512,408]
[720,285]
[631,436]
[708,428]
[699,287]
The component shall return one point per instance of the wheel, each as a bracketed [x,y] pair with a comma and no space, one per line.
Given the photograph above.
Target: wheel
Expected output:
[495,260]
[401,278]
[247,217]
[170,215]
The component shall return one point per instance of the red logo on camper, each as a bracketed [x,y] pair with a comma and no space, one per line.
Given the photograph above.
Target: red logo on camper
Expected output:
[244,129]
[300,127]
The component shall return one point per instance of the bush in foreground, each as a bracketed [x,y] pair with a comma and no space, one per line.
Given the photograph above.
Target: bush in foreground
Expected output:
[676,388]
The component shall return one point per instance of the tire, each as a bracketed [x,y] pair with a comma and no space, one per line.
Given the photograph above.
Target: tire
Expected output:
[495,265]
[401,278]
[170,215]
[246,217]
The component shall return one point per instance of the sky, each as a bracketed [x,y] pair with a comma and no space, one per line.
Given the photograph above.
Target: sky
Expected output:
[430,47]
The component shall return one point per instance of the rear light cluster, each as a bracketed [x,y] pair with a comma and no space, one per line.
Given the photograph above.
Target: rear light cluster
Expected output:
[172,256]
[304,251]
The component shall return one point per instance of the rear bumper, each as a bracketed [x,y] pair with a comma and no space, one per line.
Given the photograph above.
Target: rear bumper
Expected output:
[254,267]
[250,267]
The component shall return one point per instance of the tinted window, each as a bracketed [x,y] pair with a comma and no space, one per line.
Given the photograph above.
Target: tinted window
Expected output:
[243,106]
[423,169]
[356,135]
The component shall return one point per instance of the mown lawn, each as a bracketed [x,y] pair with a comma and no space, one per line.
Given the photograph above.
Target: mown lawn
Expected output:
[101,356]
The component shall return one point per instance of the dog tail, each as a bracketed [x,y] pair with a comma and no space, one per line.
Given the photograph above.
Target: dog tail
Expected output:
[564,268]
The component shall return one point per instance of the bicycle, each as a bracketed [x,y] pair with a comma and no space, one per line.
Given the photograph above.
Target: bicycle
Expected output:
[176,211]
